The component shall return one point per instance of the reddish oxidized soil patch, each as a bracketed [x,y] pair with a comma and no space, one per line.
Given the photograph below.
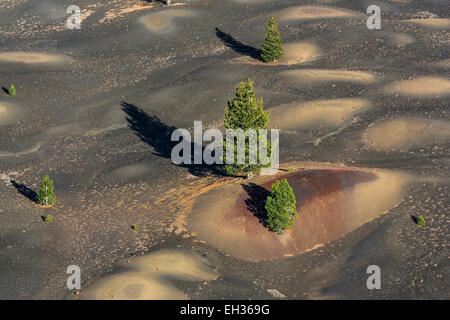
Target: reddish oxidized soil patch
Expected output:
[330,202]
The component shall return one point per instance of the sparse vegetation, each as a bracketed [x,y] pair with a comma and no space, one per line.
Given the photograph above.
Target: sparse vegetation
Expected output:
[271,49]
[135,227]
[280,206]
[245,112]
[12,91]
[420,220]
[290,168]
[45,194]
[48,219]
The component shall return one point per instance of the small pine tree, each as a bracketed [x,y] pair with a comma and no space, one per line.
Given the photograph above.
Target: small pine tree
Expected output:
[271,49]
[45,193]
[420,220]
[135,227]
[245,112]
[280,206]
[12,90]
[48,218]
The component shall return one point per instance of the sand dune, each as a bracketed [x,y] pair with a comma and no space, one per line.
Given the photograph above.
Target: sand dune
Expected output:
[34,58]
[311,76]
[331,203]
[407,133]
[314,12]
[163,21]
[429,86]
[148,278]
[317,114]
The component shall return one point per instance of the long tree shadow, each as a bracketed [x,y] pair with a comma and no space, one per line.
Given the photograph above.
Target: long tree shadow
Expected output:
[257,201]
[157,134]
[238,46]
[25,191]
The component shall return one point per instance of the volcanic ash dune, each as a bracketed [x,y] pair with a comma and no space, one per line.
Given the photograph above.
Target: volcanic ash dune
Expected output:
[316,114]
[331,202]
[445,63]
[313,76]
[407,133]
[299,52]
[293,53]
[34,58]
[314,12]
[148,278]
[400,39]
[9,113]
[163,21]
[420,87]
[432,23]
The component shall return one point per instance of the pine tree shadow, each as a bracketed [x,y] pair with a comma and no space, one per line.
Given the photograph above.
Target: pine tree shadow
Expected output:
[25,191]
[157,134]
[257,201]
[5,90]
[238,46]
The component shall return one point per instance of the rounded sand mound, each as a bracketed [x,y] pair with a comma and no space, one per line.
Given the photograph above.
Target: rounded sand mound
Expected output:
[162,22]
[148,278]
[331,203]
[293,53]
[9,113]
[34,58]
[312,76]
[317,114]
[314,12]
[445,63]
[400,39]
[420,87]
[432,23]
[131,171]
[407,133]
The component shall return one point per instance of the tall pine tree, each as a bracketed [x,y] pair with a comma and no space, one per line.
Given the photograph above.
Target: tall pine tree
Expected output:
[245,112]
[271,49]
[45,195]
[280,206]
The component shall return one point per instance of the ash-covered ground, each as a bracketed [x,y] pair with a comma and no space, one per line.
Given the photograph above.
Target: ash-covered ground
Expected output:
[95,107]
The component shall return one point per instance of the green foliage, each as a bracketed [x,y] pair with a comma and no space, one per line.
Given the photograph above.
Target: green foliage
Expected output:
[271,49]
[12,90]
[280,206]
[245,112]
[136,227]
[420,220]
[45,195]
[48,218]
[290,168]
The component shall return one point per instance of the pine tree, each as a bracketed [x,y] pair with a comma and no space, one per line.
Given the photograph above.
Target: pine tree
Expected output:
[45,193]
[12,90]
[245,112]
[280,206]
[271,49]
